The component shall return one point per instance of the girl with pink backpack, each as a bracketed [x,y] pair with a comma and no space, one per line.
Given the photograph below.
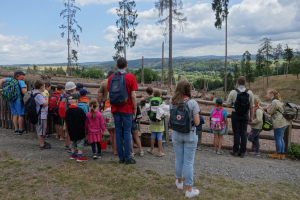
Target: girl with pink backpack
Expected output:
[218,125]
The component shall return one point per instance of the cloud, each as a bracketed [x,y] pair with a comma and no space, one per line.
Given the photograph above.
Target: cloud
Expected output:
[86,2]
[148,15]
[3,25]
[111,33]
[112,11]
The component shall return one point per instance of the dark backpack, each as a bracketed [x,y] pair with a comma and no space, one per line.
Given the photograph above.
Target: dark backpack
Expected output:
[117,90]
[242,103]
[290,111]
[181,118]
[9,92]
[30,109]
[155,101]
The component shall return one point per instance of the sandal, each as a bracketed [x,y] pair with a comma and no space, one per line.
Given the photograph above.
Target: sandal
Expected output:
[115,154]
[160,154]
[132,155]
[141,153]
[151,152]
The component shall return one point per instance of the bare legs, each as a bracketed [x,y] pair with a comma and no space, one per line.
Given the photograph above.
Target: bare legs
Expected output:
[18,121]
[218,140]
[112,133]
[137,139]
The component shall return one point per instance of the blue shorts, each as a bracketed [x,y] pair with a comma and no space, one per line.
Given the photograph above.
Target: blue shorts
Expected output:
[17,108]
[156,134]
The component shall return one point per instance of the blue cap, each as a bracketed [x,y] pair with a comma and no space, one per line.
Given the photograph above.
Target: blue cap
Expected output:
[84,92]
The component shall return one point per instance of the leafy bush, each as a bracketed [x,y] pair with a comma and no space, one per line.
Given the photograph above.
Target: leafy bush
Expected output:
[294,151]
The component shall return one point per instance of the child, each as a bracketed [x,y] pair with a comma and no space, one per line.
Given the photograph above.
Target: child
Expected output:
[94,124]
[47,89]
[17,108]
[110,125]
[56,119]
[43,101]
[135,126]
[70,88]
[84,101]
[156,129]
[199,132]
[145,100]
[75,119]
[256,127]
[218,117]
[79,86]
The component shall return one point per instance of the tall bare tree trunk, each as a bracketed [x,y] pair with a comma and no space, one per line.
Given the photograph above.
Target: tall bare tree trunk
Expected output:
[258,76]
[124,34]
[225,93]
[162,65]
[143,80]
[68,65]
[170,45]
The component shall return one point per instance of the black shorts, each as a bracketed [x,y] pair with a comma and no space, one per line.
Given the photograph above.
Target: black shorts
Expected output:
[57,120]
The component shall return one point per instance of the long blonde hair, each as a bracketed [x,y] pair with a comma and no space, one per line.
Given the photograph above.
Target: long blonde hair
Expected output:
[257,103]
[275,93]
[93,105]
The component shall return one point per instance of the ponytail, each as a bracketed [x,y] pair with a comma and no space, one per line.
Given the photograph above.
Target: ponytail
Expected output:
[93,105]
[275,93]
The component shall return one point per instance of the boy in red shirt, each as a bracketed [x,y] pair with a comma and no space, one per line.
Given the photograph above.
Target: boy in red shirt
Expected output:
[123,113]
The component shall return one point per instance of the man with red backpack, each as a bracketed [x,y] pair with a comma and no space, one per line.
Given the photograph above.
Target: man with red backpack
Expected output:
[54,102]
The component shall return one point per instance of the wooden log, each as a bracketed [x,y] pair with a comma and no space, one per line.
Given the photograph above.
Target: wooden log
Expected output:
[287,137]
[89,85]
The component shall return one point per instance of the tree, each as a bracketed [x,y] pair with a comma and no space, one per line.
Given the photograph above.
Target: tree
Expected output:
[278,52]
[221,9]
[295,64]
[236,72]
[288,54]
[69,26]
[247,69]
[126,27]
[35,69]
[171,7]
[267,50]
[260,59]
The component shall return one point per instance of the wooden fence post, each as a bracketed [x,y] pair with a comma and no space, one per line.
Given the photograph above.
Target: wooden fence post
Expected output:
[166,122]
[288,136]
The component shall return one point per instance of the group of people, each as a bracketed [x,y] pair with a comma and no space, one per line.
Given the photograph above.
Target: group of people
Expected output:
[84,121]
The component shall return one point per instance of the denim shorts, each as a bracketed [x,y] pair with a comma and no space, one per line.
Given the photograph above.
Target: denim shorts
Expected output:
[156,134]
[17,108]
[134,126]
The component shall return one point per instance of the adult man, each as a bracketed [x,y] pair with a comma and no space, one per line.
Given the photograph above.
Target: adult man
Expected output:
[17,107]
[123,113]
[242,101]
[102,92]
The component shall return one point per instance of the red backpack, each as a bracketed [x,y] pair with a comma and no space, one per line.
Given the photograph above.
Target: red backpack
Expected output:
[54,104]
[63,106]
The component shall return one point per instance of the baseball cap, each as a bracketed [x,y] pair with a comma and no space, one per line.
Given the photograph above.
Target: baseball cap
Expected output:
[79,85]
[84,92]
[219,101]
[73,96]
[19,72]
[70,86]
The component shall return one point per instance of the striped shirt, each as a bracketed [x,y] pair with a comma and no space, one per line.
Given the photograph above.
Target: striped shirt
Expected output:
[40,100]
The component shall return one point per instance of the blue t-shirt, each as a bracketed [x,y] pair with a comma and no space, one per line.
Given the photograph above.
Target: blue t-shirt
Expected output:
[21,83]
[199,127]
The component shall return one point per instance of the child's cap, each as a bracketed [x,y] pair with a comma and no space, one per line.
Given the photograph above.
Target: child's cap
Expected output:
[84,92]
[19,72]
[79,85]
[74,96]
[219,101]
[70,86]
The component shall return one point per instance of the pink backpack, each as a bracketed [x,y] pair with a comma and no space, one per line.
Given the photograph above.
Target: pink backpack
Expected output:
[217,122]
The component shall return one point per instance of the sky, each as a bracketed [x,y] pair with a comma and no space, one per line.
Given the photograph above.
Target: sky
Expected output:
[30,34]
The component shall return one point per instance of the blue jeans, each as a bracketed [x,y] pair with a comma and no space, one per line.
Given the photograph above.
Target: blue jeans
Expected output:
[278,136]
[185,145]
[123,131]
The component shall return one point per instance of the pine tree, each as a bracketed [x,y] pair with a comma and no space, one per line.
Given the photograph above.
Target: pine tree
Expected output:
[260,59]
[278,52]
[68,27]
[236,72]
[221,9]
[126,28]
[171,7]
[267,50]
[247,69]
[288,54]
[295,64]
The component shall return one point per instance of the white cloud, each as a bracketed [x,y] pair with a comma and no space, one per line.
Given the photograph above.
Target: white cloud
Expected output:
[148,15]
[111,33]
[112,11]
[86,2]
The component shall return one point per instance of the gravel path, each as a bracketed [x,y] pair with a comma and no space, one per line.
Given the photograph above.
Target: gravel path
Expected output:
[252,169]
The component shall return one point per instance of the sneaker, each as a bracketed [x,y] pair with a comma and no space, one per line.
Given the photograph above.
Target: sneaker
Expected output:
[95,156]
[67,147]
[192,193]
[131,161]
[62,138]
[121,161]
[46,146]
[73,157]
[142,154]
[21,132]
[219,152]
[99,155]
[16,131]
[82,159]
[254,154]
[135,145]
[69,150]
[179,185]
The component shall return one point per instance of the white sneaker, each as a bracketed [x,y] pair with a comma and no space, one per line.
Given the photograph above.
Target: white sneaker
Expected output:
[193,193]
[179,185]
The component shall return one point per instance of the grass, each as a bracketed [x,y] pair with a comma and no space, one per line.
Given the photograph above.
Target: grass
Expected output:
[94,180]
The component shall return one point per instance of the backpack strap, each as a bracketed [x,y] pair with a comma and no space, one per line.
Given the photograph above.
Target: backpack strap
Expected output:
[237,90]
[246,91]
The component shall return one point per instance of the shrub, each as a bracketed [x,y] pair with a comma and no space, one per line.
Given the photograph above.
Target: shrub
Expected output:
[294,151]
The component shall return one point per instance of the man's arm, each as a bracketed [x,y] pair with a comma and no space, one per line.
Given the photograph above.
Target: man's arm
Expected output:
[133,97]
[229,101]
[251,115]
